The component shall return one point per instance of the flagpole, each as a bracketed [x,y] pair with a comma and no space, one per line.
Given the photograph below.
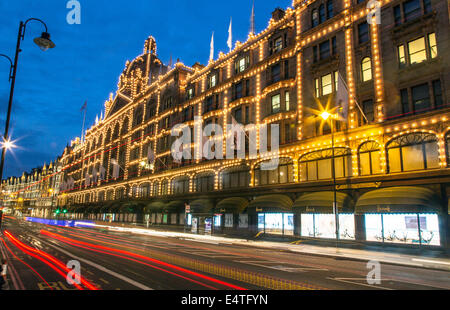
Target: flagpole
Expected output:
[82,128]
[354,98]
[335,207]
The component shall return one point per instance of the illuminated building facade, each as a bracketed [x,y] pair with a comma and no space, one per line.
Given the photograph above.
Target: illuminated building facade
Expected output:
[391,166]
[34,193]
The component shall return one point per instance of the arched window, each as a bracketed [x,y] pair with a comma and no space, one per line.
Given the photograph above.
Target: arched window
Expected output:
[124,130]
[120,193]
[180,185]
[138,115]
[108,136]
[100,142]
[134,191]
[109,195]
[366,69]
[144,190]
[314,18]
[235,177]
[318,165]
[415,151]
[101,196]
[283,173]
[116,132]
[204,183]
[369,158]
[321,13]
[165,188]
[156,189]
[93,146]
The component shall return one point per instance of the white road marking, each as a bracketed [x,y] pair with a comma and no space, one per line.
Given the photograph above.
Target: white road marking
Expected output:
[430,261]
[260,263]
[348,280]
[104,269]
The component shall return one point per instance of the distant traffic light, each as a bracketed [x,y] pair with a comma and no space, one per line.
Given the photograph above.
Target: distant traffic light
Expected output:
[65,211]
[57,211]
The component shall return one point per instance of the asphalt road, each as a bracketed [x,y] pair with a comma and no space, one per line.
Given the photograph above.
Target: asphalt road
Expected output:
[37,255]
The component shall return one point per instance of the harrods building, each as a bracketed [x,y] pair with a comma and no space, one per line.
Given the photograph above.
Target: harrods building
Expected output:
[391,166]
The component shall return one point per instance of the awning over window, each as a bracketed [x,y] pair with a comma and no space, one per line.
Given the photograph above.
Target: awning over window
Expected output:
[155,206]
[105,208]
[201,206]
[232,205]
[132,207]
[322,202]
[407,199]
[174,206]
[270,203]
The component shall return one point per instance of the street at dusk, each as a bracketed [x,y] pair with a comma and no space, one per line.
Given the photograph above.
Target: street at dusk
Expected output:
[121,261]
[227,153]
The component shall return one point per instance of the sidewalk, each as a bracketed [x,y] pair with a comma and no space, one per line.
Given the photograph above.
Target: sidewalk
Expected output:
[441,263]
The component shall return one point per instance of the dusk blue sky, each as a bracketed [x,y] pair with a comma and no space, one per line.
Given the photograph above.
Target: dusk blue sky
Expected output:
[86,63]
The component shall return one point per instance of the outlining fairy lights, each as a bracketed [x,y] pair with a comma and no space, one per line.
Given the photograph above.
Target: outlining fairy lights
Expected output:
[343,21]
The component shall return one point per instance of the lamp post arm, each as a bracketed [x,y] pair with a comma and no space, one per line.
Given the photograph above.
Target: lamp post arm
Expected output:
[30,19]
[11,65]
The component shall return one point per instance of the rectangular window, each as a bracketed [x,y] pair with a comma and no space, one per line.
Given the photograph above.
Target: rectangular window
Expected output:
[368,109]
[333,46]
[421,98]
[327,85]
[316,82]
[278,45]
[363,32]
[336,78]
[417,51]
[401,55]
[276,103]
[241,65]
[247,115]
[276,73]
[324,50]
[213,81]
[238,115]
[437,92]
[397,15]
[287,100]
[427,6]
[315,53]
[238,90]
[286,69]
[432,45]
[411,9]
[405,101]
[247,88]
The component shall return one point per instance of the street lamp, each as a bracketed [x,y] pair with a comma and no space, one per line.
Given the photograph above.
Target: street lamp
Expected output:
[44,44]
[325,116]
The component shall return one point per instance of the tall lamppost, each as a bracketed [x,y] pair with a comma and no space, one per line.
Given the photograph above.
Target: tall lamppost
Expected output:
[44,44]
[325,116]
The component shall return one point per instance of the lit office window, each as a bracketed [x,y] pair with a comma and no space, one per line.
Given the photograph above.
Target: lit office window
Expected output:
[366,68]
[327,85]
[432,45]
[417,51]
[316,82]
[401,55]
[276,103]
[287,99]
